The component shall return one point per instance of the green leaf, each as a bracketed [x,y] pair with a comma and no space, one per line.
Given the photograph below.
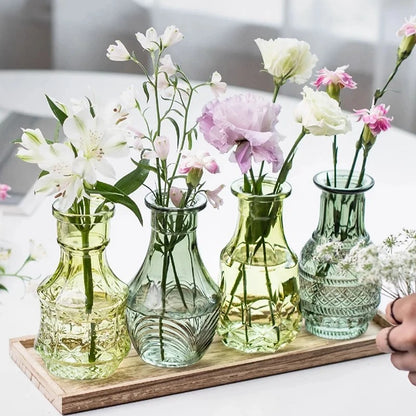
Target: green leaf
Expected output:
[135,179]
[117,196]
[175,125]
[2,287]
[92,111]
[58,113]
[146,91]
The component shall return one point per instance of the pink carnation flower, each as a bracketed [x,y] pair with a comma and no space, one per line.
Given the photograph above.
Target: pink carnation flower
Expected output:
[3,191]
[375,118]
[245,122]
[337,77]
[408,28]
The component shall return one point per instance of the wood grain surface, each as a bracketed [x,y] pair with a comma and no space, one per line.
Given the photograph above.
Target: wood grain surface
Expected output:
[135,380]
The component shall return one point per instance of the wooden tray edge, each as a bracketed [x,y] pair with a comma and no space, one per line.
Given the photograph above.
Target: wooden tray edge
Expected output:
[190,379]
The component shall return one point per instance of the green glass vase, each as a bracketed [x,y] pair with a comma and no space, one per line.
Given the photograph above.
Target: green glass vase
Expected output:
[173,303]
[336,305]
[260,312]
[83,329]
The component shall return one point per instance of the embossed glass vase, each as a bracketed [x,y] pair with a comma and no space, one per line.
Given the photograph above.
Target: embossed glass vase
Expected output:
[173,303]
[260,312]
[83,329]
[336,305]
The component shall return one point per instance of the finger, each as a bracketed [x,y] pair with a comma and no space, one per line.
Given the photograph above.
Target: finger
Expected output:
[412,378]
[405,361]
[403,309]
[383,341]
[401,338]
[390,312]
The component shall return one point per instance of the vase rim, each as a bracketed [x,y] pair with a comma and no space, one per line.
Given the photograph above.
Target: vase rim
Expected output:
[236,189]
[105,212]
[320,180]
[199,203]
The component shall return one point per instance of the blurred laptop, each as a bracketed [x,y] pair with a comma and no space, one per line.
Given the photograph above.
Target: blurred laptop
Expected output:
[20,175]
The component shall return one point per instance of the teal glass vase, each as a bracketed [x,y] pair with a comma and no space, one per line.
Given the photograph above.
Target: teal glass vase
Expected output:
[83,328]
[336,305]
[173,303]
[260,311]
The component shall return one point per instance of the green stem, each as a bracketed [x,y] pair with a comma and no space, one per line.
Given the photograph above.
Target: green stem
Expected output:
[268,282]
[358,147]
[287,164]
[335,158]
[276,91]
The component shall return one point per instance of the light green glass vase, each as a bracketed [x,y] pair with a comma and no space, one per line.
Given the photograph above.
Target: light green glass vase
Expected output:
[336,305]
[173,302]
[260,312]
[83,329]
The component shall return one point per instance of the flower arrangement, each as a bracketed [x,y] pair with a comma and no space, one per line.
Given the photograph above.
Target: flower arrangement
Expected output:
[169,95]
[71,171]
[172,287]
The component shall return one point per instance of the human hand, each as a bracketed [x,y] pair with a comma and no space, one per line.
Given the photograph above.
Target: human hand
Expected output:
[400,339]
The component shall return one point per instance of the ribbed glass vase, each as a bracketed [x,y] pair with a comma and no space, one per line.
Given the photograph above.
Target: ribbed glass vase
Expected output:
[173,302]
[260,312]
[334,304]
[83,330]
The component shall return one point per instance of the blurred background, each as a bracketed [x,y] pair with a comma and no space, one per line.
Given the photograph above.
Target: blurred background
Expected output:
[74,35]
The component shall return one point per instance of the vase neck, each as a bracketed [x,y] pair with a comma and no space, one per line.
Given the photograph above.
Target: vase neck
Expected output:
[342,216]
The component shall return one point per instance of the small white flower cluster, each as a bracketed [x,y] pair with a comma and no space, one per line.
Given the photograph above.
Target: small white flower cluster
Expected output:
[391,264]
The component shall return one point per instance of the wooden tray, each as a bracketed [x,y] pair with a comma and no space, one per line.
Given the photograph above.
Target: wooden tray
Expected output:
[135,380]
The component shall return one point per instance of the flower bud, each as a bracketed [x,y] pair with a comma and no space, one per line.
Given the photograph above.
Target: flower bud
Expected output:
[194,177]
[333,90]
[406,46]
[161,145]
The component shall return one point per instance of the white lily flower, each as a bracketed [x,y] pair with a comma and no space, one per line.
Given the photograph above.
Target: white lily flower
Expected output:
[170,36]
[95,140]
[31,145]
[61,180]
[118,52]
[150,40]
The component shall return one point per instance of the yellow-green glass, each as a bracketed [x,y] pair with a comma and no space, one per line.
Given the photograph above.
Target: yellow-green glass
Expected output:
[336,305]
[83,330]
[260,312]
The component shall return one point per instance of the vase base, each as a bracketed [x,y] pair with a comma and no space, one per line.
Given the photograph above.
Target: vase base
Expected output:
[81,371]
[335,327]
[258,338]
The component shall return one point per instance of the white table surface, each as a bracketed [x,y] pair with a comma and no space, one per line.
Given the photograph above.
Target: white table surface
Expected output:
[367,386]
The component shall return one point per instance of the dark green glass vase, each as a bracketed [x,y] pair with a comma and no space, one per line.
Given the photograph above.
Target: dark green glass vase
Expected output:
[335,305]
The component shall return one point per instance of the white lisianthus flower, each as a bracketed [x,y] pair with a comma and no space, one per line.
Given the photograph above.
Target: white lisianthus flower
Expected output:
[320,114]
[287,59]
[96,141]
[118,52]
[150,40]
[218,87]
[170,36]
